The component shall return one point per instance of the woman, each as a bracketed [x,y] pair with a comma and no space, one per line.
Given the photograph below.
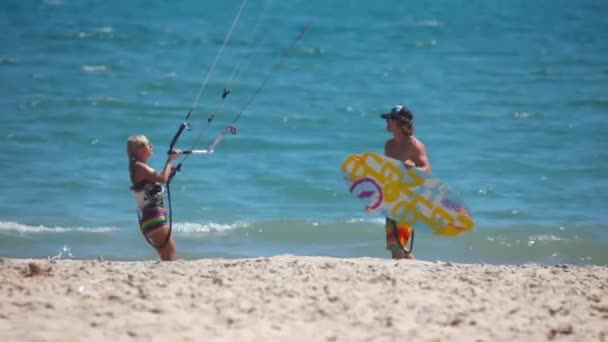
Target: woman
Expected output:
[147,187]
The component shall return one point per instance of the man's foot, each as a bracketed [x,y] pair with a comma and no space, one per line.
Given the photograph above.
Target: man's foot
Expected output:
[401,254]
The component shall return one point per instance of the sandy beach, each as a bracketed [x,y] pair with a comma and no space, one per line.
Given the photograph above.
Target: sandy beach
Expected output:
[289,298]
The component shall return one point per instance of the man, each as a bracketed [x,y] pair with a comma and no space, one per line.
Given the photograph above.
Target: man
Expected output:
[403,146]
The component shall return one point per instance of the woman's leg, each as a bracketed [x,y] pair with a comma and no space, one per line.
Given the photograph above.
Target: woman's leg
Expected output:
[158,237]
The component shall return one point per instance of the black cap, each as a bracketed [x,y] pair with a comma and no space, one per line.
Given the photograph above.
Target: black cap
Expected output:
[400,112]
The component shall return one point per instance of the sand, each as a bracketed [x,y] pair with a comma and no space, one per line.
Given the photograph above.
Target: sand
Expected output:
[290,298]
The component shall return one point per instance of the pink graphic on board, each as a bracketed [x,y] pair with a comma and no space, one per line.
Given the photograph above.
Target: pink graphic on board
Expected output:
[368,189]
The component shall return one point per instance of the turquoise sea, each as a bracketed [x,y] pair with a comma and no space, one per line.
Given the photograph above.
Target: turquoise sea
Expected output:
[510,98]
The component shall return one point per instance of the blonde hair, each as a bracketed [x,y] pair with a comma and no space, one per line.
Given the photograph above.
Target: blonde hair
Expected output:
[134,143]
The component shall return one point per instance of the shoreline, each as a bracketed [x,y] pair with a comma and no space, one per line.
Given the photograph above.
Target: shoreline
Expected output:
[301,299]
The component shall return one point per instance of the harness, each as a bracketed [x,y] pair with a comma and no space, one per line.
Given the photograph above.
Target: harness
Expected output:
[147,195]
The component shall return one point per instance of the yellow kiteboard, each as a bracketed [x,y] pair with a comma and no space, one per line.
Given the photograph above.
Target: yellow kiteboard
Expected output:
[408,196]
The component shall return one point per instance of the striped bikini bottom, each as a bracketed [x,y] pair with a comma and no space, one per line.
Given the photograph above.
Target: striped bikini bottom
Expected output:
[152,219]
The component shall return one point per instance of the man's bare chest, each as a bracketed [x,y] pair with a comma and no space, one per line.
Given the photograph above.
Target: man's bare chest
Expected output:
[400,151]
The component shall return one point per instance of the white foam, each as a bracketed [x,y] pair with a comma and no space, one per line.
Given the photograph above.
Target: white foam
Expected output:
[374,220]
[207,227]
[94,68]
[23,229]
[64,253]
[105,29]
[545,237]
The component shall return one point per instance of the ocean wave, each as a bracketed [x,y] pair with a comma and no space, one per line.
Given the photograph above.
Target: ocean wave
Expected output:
[426,43]
[308,51]
[349,237]
[102,100]
[594,103]
[428,23]
[8,61]
[105,29]
[53,2]
[8,227]
[97,34]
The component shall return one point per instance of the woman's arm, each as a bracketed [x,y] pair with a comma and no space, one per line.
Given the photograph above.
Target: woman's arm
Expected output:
[145,172]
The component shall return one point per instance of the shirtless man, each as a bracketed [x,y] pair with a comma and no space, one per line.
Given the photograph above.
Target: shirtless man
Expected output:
[411,151]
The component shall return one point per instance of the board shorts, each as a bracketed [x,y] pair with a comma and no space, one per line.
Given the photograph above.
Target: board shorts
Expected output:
[152,219]
[396,236]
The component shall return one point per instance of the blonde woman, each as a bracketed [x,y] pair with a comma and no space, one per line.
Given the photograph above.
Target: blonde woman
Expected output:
[148,187]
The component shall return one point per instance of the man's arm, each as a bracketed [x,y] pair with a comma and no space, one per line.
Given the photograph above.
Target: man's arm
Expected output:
[421,161]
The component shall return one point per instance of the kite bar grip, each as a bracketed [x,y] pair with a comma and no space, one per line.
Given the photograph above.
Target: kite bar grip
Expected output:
[197,152]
